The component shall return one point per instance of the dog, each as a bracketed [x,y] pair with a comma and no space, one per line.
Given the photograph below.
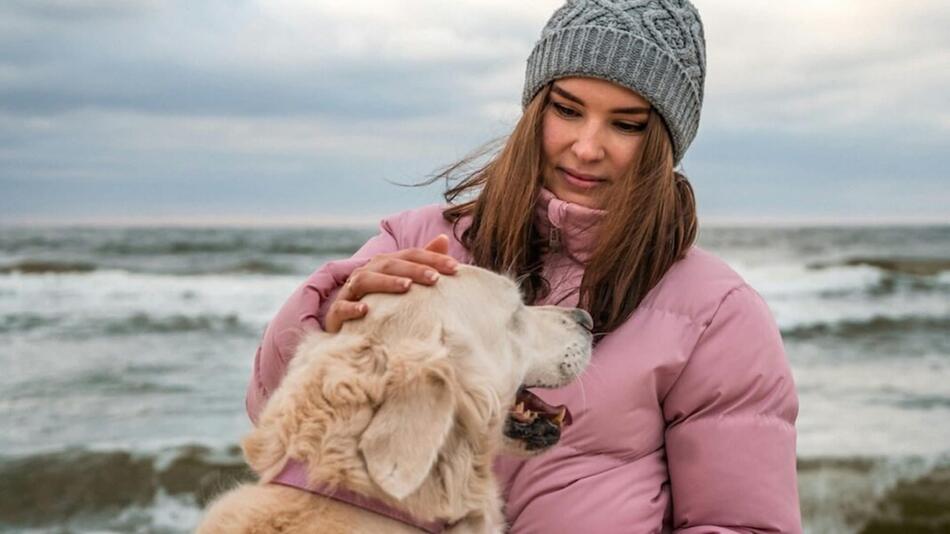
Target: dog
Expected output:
[406,409]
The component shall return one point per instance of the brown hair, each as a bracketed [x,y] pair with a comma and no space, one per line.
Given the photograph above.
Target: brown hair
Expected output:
[650,222]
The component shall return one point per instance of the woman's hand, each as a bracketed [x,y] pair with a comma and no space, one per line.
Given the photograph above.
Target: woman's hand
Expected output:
[389,273]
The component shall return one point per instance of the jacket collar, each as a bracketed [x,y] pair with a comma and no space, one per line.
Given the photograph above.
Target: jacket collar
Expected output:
[570,228]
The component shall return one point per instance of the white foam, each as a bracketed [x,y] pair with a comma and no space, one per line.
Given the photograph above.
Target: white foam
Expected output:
[840,499]
[173,513]
[802,297]
[252,299]
[782,281]
[876,407]
[814,310]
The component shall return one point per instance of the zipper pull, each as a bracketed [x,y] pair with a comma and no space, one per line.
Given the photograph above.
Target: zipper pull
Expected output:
[554,239]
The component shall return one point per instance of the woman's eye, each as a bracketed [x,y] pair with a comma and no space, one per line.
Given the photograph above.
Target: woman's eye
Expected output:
[630,127]
[564,110]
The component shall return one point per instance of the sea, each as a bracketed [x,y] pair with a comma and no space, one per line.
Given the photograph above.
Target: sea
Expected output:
[125,354]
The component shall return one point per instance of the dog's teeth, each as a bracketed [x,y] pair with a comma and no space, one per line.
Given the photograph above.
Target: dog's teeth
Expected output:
[519,408]
[559,418]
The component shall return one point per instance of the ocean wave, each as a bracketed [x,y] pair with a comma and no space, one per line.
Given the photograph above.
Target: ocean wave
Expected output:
[899,265]
[84,304]
[875,495]
[831,281]
[107,382]
[152,247]
[47,266]
[342,250]
[252,266]
[56,489]
[316,243]
[25,322]
[19,240]
[792,281]
[53,488]
[182,248]
[855,328]
[864,312]
[84,326]
[101,383]
[914,401]
[143,323]
[247,266]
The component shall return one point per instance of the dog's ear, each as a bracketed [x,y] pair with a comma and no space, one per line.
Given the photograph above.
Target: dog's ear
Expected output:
[265,451]
[403,440]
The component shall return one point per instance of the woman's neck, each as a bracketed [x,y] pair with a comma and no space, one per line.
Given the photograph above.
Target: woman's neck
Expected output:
[570,228]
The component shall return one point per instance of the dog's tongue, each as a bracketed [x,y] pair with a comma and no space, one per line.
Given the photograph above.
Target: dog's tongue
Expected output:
[559,413]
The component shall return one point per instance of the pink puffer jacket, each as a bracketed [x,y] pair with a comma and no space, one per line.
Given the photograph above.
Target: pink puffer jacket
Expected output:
[684,421]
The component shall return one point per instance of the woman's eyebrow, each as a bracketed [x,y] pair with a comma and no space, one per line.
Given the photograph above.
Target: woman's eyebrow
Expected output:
[634,110]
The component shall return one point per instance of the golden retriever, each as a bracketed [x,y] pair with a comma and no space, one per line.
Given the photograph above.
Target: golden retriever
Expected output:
[408,406]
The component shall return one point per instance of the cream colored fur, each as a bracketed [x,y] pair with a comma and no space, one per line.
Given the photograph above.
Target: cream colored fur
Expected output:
[406,406]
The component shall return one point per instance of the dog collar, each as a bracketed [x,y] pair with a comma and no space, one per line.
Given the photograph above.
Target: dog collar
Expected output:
[294,475]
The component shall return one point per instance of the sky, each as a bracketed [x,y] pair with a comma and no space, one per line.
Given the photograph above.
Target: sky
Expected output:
[309,112]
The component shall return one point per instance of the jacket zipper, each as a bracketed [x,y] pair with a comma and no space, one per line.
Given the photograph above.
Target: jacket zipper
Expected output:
[554,239]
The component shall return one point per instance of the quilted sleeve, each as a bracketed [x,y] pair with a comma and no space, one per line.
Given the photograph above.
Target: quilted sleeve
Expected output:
[730,437]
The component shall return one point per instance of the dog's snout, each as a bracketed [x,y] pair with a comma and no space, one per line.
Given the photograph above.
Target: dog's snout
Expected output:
[583,318]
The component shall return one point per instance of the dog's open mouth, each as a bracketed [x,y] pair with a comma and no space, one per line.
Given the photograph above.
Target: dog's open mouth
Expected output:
[534,422]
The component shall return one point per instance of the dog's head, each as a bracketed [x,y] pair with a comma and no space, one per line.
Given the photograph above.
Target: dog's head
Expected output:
[484,346]
[439,369]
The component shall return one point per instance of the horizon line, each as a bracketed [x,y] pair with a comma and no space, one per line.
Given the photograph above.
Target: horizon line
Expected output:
[368,221]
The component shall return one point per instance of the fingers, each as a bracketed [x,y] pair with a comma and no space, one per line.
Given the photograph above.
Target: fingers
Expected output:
[390,273]
[341,311]
[363,283]
[443,263]
[438,244]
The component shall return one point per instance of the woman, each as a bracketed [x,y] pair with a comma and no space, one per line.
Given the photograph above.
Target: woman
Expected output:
[685,420]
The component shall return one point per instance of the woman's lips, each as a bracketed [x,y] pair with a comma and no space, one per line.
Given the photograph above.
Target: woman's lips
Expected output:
[581,181]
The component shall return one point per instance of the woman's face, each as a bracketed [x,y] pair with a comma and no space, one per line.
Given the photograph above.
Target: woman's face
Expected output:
[592,133]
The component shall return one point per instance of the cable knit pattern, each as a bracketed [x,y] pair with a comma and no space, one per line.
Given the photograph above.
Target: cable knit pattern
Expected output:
[654,47]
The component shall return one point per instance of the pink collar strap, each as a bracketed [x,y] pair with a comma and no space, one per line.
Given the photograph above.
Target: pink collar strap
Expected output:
[294,475]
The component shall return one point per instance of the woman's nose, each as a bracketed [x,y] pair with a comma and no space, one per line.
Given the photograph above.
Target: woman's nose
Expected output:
[588,146]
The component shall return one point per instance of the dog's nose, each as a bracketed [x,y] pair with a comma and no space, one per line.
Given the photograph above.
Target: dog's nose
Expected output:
[583,318]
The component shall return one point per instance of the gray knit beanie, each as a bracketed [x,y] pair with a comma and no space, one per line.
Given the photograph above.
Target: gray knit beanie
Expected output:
[654,47]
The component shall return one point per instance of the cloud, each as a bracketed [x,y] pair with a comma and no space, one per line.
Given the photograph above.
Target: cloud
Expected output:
[817,65]
[271,58]
[119,94]
[811,64]
[70,11]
